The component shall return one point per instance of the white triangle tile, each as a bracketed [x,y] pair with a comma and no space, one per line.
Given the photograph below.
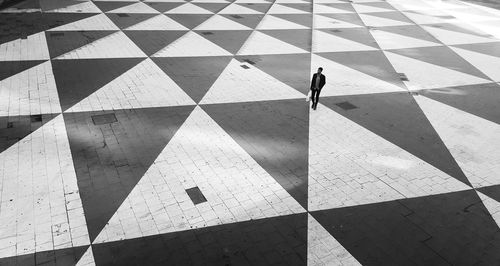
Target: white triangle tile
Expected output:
[188,8]
[273,23]
[389,40]
[474,142]
[492,206]
[322,22]
[291,2]
[324,42]
[350,165]
[34,47]
[151,87]
[327,1]
[317,9]
[218,22]
[323,249]
[235,185]
[137,8]
[97,22]
[426,17]
[374,21]
[281,9]
[160,22]
[491,27]
[42,203]
[30,92]
[252,2]
[238,84]
[489,65]
[260,43]
[106,48]
[87,259]
[343,80]
[238,9]
[73,7]
[191,44]
[452,37]
[423,75]
[404,5]
[471,14]
[360,8]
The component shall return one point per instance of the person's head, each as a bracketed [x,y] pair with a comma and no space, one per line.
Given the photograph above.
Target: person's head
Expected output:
[320,69]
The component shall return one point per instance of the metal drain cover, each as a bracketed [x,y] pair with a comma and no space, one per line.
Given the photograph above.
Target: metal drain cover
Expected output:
[346,105]
[196,196]
[104,119]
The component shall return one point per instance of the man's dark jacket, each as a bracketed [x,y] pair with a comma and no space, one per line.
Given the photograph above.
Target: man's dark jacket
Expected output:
[322,81]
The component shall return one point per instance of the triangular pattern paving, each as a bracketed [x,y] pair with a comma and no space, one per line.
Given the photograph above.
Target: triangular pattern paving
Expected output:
[178,132]
[123,167]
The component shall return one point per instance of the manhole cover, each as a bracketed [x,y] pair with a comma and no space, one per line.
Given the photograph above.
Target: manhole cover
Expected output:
[207,33]
[10,124]
[245,66]
[104,119]
[122,15]
[346,105]
[335,30]
[196,196]
[36,118]
[236,16]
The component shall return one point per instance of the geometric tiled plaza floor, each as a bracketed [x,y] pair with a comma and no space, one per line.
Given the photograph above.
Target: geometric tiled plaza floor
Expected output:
[172,132]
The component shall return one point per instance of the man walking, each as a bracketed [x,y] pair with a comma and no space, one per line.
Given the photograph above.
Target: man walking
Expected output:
[317,83]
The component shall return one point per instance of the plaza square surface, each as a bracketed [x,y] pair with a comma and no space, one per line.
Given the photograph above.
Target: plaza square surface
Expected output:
[172,132]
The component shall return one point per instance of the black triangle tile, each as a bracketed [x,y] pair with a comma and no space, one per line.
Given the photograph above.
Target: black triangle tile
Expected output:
[195,75]
[393,15]
[397,118]
[126,20]
[271,241]
[263,8]
[445,229]
[360,35]
[10,68]
[107,172]
[441,56]
[164,6]
[291,69]
[301,7]
[61,42]
[491,191]
[492,48]
[297,37]
[413,31]
[19,25]
[481,100]
[190,21]
[106,6]
[248,20]
[349,18]
[214,7]
[231,40]
[30,4]
[77,79]
[66,256]
[152,41]
[302,19]
[285,127]
[15,128]
[373,63]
